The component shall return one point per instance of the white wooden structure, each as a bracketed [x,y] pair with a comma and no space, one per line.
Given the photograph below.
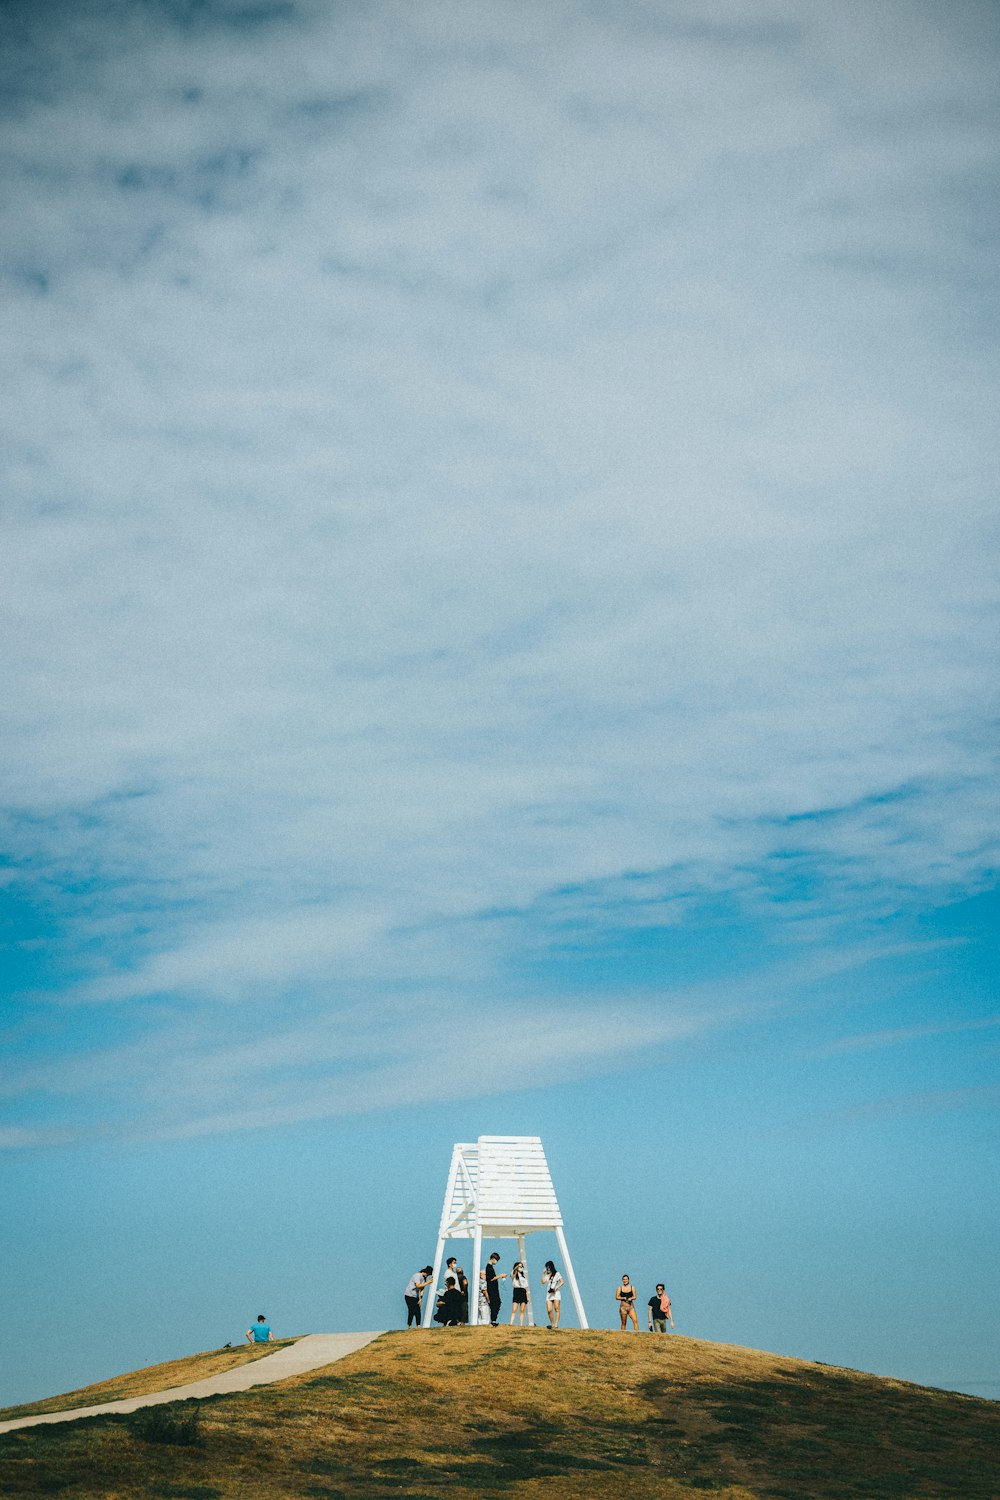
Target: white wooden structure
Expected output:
[498,1189]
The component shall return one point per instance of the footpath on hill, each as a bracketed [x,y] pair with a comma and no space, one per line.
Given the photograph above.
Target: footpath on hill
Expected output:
[309,1353]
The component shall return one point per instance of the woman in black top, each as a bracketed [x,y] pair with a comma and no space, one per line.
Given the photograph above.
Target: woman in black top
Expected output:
[625,1296]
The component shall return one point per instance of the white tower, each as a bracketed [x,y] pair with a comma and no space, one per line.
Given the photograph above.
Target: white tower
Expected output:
[499,1189]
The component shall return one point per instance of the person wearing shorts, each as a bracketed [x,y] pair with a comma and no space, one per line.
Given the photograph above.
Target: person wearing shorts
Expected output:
[625,1297]
[519,1292]
[552,1282]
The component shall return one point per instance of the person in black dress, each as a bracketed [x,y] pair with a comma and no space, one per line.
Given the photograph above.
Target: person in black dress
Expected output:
[462,1282]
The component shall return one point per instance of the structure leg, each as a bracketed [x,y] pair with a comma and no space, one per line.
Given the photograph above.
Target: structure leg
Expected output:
[431,1293]
[577,1299]
[522,1256]
[477,1255]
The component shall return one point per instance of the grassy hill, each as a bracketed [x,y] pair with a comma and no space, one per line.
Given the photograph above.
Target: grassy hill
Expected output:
[531,1415]
[152,1378]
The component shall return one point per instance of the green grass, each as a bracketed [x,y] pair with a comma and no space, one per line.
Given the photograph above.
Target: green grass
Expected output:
[522,1415]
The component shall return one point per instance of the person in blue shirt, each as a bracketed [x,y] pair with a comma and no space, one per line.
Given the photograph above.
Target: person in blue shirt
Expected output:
[260,1332]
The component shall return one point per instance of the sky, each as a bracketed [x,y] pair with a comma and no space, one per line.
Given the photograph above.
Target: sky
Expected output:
[499,606]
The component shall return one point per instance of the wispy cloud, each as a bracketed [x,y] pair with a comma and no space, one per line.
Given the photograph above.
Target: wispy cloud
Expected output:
[316,1054]
[906,1106]
[873,1040]
[466,462]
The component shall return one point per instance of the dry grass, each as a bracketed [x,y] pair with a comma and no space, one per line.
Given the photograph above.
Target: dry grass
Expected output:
[457,1414]
[153,1378]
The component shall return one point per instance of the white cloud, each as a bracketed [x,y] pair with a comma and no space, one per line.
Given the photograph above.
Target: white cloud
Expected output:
[460,458]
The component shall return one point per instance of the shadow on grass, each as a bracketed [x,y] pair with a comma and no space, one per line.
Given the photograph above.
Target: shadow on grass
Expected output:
[831,1435]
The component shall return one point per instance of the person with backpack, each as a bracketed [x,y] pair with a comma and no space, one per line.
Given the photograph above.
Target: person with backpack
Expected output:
[552,1282]
[659,1310]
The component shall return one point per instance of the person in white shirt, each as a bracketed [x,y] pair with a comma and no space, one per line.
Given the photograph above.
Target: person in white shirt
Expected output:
[519,1292]
[552,1282]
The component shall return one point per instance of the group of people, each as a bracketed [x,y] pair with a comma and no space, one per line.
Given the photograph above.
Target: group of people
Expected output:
[451,1301]
[451,1306]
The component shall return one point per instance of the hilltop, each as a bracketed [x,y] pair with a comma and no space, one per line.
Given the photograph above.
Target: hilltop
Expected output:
[530,1415]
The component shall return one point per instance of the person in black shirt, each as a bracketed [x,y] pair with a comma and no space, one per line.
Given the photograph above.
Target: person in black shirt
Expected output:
[449,1305]
[462,1282]
[659,1310]
[493,1286]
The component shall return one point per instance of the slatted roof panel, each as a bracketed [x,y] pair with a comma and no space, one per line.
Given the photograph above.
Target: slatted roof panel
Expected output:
[514,1184]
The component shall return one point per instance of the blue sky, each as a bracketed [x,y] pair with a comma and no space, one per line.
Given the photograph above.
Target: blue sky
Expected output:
[499,603]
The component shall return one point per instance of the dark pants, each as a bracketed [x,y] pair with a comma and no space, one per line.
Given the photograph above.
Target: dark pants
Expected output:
[412,1311]
[494,1308]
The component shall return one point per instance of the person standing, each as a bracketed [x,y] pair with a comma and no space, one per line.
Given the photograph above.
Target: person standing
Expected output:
[462,1282]
[659,1310]
[552,1282]
[413,1295]
[625,1297]
[493,1281]
[519,1292]
[260,1332]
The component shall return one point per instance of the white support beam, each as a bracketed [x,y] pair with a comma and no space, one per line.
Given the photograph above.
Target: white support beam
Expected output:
[577,1299]
[431,1293]
[477,1257]
[522,1256]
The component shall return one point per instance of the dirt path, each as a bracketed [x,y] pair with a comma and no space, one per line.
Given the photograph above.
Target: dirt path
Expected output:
[309,1353]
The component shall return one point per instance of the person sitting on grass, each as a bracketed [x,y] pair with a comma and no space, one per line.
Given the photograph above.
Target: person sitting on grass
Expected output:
[260,1333]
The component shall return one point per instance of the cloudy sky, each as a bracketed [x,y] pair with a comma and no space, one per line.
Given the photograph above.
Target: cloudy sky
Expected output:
[499,612]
